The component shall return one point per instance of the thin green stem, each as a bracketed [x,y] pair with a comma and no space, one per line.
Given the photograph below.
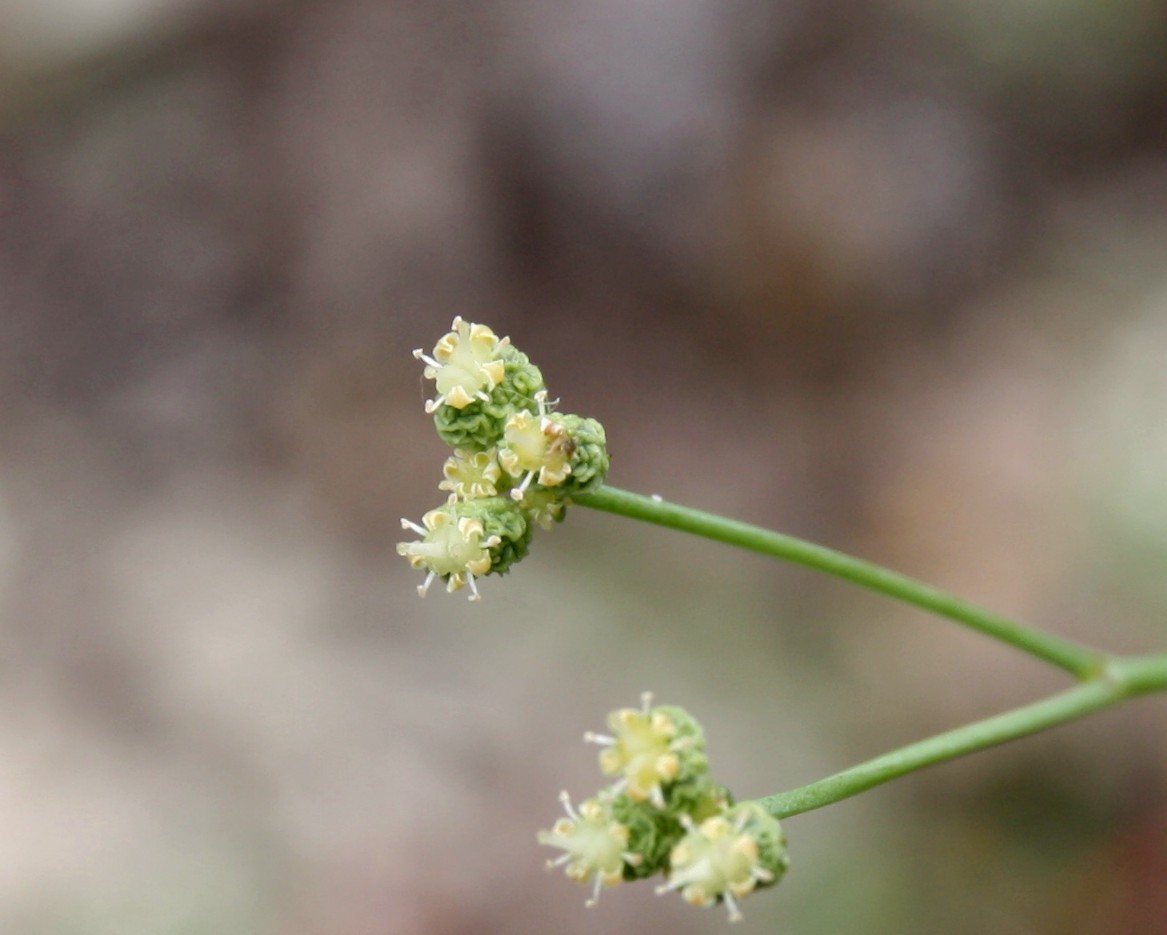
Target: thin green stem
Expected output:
[1121,679]
[1081,661]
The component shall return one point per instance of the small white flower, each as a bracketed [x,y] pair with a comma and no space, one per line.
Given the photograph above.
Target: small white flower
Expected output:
[465,365]
[451,547]
[595,846]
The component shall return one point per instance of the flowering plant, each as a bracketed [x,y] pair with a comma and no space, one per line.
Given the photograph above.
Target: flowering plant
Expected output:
[518,462]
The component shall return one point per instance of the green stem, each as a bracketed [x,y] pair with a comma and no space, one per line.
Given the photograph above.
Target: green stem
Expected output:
[1104,680]
[1080,661]
[1122,678]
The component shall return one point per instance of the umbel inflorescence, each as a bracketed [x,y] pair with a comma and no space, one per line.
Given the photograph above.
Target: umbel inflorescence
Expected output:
[516,461]
[664,813]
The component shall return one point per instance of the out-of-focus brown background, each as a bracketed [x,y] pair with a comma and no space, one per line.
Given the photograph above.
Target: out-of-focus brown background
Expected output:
[891,276]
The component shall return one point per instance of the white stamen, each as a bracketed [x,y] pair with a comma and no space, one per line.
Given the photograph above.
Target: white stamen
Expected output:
[518,492]
[735,914]
[431,405]
[425,358]
[565,799]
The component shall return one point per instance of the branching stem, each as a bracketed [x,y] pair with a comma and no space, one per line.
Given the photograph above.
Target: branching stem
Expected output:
[1080,661]
[1104,680]
[1122,678]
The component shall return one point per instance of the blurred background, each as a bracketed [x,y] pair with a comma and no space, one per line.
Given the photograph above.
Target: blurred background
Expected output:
[888,275]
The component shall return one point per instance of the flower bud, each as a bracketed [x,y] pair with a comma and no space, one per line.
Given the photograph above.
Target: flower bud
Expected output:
[504,522]
[589,459]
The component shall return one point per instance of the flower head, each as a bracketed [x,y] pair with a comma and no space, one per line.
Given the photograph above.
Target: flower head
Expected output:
[515,462]
[726,857]
[666,814]
[465,539]
[465,365]
[452,548]
[652,749]
[595,845]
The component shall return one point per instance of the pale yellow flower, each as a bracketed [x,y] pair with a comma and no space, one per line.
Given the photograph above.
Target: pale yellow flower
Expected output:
[535,447]
[471,475]
[451,547]
[465,365]
[595,846]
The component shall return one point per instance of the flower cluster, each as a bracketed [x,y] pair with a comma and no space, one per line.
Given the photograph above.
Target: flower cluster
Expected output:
[665,814]
[516,460]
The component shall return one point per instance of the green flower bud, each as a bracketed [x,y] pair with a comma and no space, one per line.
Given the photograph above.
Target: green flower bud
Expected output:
[697,795]
[478,425]
[652,749]
[651,834]
[589,459]
[727,857]
[465,539]
[505,522]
